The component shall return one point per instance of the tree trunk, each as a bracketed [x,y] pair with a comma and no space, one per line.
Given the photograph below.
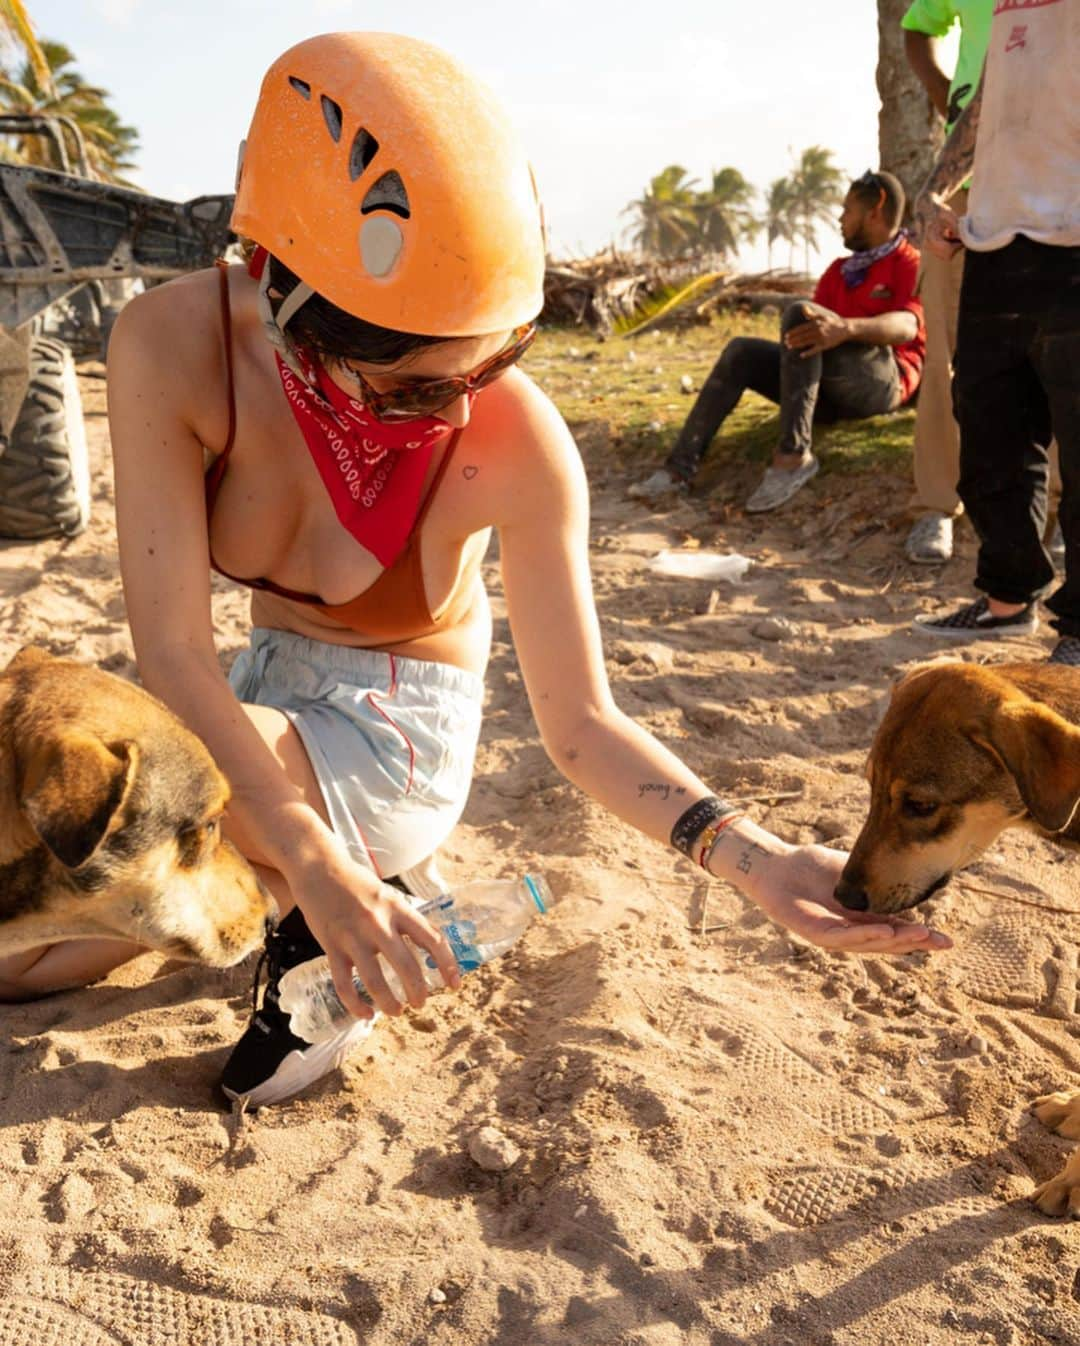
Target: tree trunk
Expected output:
[910,132]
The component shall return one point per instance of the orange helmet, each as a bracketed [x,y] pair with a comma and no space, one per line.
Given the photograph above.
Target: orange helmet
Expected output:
[390,181]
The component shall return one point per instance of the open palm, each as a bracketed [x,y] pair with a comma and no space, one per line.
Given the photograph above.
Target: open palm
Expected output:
[796,890]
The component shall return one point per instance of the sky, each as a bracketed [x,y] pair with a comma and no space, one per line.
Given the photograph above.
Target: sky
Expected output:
[603,98]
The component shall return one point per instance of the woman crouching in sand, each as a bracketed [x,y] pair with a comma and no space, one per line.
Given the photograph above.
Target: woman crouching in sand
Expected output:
[339,425]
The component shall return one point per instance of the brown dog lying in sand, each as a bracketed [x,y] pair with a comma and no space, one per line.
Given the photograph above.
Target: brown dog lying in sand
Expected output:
[110,821]
[963,753]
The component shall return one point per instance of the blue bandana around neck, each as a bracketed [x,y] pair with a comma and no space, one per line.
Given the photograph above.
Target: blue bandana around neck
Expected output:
[854,268]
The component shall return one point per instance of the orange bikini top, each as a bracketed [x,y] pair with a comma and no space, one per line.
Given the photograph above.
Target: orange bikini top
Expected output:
[395,607]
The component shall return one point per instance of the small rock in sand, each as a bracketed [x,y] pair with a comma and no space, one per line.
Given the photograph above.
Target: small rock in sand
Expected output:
[437,1296]
[492,1151]
[774,628]
[686,383]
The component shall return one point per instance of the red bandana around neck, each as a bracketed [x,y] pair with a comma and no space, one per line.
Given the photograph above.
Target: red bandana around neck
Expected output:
[373,472]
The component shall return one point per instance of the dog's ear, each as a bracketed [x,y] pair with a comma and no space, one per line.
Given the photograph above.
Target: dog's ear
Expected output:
[29,654]
[1041,751]
[70,788]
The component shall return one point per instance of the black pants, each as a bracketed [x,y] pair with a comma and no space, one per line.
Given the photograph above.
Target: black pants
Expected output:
[847,383]
[1017,383]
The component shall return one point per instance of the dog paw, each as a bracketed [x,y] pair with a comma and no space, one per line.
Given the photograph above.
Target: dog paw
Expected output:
[1060,1112]
[1061,1195]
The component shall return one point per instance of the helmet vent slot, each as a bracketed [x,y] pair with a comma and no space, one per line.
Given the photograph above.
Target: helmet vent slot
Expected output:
[302,87]
[364,149]
[387,193]
[332,112]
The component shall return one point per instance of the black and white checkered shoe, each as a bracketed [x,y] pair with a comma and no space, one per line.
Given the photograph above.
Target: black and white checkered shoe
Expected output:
[975,621]
[1067,652]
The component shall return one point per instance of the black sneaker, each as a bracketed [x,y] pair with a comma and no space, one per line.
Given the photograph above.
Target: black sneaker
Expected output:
[270,1063]
[975,621]
[1067,652]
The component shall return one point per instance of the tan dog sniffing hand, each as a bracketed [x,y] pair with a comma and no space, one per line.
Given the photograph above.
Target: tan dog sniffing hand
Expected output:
[963,752]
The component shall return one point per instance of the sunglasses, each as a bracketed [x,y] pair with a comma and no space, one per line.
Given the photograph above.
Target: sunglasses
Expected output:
[410,401]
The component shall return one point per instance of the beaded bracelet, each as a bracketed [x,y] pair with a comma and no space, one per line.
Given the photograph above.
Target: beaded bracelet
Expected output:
[690,825]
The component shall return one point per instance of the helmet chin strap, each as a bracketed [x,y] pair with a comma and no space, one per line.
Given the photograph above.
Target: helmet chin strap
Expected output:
[274,323]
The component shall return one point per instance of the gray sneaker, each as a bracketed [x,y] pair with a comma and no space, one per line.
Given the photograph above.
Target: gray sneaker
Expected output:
[930,541]
[661,483]
[778,486]
[1067,652]
[974,621]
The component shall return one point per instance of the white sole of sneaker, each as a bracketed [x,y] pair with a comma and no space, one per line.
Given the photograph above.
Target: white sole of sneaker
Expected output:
[928,560]
[1029,629]
[301,1068]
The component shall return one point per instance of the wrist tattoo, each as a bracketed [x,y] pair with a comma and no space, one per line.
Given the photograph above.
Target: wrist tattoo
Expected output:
[745,862]
[690,825]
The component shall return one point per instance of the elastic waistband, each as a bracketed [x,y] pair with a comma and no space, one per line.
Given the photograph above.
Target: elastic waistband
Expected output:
[371,668]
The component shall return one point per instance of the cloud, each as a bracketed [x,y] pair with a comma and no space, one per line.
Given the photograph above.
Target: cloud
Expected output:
[117,12]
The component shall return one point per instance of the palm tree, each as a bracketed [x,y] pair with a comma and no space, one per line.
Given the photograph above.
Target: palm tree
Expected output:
[666,221]
[780,222]
[817,187]
[725,213]
[109,142]
[16,31]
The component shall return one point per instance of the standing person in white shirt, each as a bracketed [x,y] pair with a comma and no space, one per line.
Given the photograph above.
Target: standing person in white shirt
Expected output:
[1018,337]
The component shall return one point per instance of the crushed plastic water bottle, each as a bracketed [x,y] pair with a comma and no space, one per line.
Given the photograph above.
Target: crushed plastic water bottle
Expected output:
[701,565]
[480,920]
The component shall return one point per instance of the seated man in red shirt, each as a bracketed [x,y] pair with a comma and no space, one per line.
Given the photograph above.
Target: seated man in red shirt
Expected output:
[856,350]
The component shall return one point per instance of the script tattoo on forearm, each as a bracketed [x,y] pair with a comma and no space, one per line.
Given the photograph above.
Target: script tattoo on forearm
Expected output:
[956,159]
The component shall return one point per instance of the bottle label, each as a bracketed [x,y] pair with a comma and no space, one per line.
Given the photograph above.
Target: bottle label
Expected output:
[461,936]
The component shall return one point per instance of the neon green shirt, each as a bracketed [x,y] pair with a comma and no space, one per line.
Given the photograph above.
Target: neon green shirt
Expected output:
[935,18]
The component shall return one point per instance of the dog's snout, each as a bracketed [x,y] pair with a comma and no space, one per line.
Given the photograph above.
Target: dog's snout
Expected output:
[851,895]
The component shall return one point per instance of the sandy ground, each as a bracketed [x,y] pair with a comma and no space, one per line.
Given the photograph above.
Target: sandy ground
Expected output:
[724,1137]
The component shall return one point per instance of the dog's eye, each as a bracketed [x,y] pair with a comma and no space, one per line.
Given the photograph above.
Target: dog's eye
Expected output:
[919,808]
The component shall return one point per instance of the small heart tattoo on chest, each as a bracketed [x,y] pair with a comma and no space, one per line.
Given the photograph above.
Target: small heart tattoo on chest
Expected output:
[469,472]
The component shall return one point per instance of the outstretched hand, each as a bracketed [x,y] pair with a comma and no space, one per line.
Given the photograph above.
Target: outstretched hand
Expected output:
[795,888]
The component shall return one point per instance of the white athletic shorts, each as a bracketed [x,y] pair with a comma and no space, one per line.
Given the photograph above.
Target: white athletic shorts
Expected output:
[392,741]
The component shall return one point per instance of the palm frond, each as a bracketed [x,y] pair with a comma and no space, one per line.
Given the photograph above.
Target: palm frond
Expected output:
[663,303]
[16,21]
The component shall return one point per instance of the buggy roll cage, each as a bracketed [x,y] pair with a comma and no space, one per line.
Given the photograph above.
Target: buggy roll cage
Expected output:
[59,230]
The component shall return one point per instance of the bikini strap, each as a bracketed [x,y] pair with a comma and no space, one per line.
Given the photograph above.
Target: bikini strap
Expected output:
[440,472]
[226,326]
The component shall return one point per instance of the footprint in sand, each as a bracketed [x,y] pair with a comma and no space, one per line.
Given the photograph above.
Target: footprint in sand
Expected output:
[54,1307]
[1001,962]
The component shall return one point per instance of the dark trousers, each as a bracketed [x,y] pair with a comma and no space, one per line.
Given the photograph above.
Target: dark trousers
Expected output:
[847,383]
[1017,383]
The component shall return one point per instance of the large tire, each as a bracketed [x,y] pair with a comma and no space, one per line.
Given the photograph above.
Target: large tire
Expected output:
[45,467]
